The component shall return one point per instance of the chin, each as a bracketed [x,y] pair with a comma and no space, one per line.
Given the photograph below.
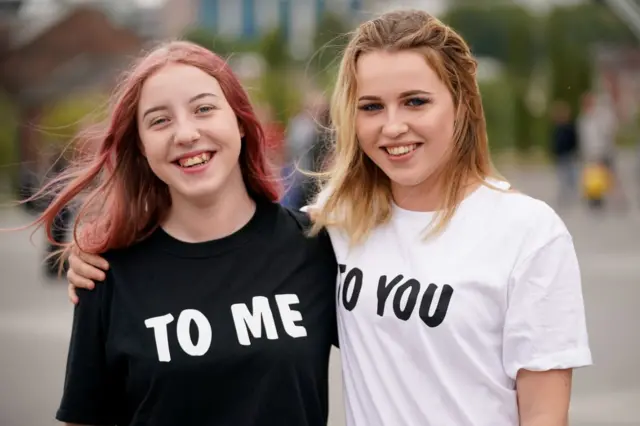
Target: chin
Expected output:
[202,191]
[407,178]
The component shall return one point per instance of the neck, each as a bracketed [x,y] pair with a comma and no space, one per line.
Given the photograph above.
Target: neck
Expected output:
[210,219]
[427,196]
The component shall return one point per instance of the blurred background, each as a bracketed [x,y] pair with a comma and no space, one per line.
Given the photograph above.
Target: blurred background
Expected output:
[560,81]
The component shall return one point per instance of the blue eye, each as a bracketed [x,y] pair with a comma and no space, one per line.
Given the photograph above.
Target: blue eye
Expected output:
[370,107]
[417,101]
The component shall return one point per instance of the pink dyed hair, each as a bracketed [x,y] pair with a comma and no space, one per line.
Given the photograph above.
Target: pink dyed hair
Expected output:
[125,201]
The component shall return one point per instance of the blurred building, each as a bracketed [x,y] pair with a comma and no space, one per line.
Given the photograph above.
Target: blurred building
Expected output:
[251,18]
[51,49]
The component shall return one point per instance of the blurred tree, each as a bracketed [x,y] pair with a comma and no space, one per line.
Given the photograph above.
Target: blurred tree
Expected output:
[506,32]
[63,120]
[223,46]
[571,32]
[329,41]
[274,85]
[495,95]
[274,48]
[558,43]
[8,134]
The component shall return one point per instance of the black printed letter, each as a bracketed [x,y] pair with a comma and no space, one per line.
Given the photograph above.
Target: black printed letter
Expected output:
[354,274]
[414,287]
[441,309]
[384,290]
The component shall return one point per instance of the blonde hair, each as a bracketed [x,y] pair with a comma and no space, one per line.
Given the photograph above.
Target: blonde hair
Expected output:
[357,195]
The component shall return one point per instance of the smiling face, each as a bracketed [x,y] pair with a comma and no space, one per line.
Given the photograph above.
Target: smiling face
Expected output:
[190,134]
[405,118]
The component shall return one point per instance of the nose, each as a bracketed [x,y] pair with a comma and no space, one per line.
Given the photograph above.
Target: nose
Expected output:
[394,127]
[186,133]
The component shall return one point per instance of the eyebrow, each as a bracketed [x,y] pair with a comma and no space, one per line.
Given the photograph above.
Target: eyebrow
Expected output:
[402,95]
[193,99]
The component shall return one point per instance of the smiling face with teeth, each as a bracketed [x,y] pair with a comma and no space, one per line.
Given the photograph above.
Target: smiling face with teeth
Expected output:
[405,117]
[190,135]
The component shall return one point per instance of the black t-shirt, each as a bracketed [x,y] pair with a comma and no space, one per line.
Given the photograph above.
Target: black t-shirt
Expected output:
[230,332]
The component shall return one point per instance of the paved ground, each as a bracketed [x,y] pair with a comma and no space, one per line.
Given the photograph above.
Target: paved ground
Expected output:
[35,318]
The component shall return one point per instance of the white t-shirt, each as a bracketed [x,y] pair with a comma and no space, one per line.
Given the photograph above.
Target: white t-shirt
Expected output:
[433,333]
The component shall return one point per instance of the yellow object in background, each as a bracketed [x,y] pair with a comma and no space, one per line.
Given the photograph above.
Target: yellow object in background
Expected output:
[595,181]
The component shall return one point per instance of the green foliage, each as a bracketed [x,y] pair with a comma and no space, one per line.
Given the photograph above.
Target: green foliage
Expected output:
[501,31]
[495,95]
[275,88]
[560,43]
[329,41]
[274,49]
[222,46]
[506,32]
[62,121]
[8,134]
[572,32]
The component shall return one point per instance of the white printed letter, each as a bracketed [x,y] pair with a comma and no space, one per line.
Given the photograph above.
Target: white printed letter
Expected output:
[244,320]
[289,316]
[204,332]
[159,325]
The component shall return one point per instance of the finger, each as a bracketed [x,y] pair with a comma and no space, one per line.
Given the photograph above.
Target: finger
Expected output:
[85,270]
[71,291]
[94,260]
[79,281]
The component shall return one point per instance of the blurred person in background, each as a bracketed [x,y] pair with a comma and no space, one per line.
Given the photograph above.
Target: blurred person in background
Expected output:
[459,299]
[306,146]
[564,150]
[181,203]
[597,132]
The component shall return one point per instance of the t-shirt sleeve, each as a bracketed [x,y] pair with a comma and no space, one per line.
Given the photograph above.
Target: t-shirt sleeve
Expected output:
[545,325]
[91,387]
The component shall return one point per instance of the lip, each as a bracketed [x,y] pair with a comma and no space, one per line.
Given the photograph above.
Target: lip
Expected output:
[200,168]
[403,157]
[393,145]
[192,154]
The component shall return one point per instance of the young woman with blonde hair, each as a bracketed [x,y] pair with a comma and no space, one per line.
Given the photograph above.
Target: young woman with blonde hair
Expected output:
[459,299]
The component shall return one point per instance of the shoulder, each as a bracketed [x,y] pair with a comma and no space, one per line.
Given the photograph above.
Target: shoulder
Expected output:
[532,214]
[296,224]
[528,223]
[300,219]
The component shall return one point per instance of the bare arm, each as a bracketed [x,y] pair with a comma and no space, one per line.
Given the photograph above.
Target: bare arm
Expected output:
[543,397]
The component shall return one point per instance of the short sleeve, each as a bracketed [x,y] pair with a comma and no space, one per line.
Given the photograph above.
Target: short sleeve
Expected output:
[91,388]
[545,326]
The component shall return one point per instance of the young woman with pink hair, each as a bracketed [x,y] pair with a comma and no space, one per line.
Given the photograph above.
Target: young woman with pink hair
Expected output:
[216,308]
